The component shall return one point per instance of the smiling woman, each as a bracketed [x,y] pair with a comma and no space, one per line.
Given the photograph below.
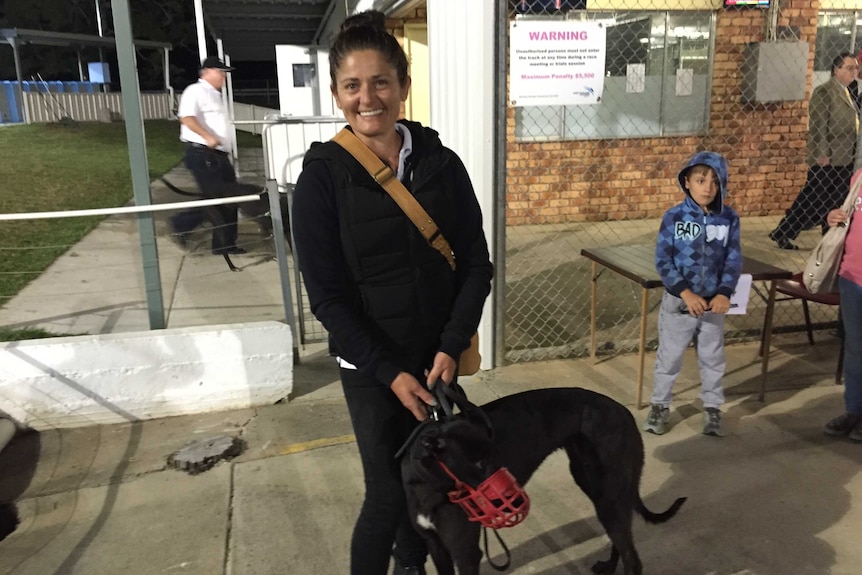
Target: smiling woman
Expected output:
[399,317]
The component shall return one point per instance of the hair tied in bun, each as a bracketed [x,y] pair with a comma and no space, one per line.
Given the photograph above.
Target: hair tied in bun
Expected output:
[369,19]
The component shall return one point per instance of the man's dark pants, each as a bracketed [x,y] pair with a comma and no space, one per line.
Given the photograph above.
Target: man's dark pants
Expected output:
[824,191]
[211,170]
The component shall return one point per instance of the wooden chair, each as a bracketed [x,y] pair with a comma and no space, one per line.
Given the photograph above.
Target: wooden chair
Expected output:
[793,288]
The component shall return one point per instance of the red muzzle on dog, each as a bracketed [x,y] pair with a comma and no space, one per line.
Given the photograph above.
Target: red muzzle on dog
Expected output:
[497,502]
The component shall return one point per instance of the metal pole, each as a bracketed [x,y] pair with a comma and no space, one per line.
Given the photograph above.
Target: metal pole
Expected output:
[278,236]
[80,66]
[199,24]
[138,159]
[101,55]
[25,107]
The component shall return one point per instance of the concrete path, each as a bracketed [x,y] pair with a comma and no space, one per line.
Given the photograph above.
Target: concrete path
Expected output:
[774,497]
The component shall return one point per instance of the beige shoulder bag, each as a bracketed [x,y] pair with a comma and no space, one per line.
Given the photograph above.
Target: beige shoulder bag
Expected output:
[821,269]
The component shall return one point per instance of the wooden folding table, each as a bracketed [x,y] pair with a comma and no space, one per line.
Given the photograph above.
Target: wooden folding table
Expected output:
[637,263]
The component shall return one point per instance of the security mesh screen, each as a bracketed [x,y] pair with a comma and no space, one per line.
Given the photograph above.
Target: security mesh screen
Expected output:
[606,100]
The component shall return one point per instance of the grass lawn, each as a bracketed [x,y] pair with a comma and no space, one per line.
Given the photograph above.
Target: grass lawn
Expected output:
[50,167]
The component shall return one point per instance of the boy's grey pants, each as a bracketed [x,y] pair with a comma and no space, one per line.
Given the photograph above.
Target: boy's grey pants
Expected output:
[676,328]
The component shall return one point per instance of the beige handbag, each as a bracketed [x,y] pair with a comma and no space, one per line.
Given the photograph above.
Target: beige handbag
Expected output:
[821,269]
[468,363]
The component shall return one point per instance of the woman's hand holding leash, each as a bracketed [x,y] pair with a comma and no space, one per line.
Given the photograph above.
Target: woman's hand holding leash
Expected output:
[413,395]
[444,367]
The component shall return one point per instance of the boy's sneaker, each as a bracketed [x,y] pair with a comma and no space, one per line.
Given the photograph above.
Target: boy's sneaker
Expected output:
[712,422]
[845,424]
[657,418]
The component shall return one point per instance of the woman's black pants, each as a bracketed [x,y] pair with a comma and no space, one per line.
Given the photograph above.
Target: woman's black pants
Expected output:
[381,425]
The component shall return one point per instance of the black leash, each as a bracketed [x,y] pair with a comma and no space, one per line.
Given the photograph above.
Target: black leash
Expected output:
[178,190]
[503,566]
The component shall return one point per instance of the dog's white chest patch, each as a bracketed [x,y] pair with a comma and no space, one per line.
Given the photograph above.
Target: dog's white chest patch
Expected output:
[424,522]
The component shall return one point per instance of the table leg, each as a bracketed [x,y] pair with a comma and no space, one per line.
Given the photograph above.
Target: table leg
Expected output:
[594,278]
[641,348]
[767,337]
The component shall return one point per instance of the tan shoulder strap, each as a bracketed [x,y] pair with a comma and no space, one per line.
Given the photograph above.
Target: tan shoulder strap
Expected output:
[384,176]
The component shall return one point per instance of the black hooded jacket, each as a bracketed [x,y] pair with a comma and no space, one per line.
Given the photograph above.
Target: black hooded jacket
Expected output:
[388,299]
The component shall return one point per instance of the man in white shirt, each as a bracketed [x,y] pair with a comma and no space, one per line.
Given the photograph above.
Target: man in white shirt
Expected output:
[205,129]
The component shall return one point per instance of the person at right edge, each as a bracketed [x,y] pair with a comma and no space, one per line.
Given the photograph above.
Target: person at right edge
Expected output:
[699,259]
[398,316]
[833,125]
[849,424]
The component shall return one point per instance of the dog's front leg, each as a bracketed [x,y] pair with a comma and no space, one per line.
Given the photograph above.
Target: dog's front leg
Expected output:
[440,555]
[461,539]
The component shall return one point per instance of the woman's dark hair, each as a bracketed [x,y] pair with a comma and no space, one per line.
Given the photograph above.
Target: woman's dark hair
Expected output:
[838,60]
[367,31]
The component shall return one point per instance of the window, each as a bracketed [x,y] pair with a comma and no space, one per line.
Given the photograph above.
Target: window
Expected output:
[667,104]
[836,32]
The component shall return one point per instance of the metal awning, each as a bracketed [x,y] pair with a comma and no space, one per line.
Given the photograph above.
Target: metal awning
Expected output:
[22,36]
[17,37]
[250,29]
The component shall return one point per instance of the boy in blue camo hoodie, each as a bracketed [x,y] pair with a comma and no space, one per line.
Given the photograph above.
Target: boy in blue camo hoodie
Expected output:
[699,259]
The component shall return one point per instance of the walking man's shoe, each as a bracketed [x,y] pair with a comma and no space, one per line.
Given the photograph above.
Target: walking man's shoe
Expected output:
[782,243]
[657,419]
[712,422]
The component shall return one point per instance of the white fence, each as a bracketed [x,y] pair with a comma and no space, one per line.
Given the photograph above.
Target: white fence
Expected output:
[103,106]
[87,107]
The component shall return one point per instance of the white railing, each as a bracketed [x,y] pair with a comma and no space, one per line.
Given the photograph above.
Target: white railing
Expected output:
[251,118]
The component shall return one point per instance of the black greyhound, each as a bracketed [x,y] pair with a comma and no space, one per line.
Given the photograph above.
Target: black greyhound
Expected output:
[599,435]
[258,210]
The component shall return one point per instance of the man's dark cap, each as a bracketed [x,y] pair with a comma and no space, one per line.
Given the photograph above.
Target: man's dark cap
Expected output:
[214,62]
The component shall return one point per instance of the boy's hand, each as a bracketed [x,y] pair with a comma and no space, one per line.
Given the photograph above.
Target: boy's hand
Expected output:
[696,305]
[719,304]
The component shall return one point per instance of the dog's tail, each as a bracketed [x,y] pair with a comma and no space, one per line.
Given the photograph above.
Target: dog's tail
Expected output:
[652,517]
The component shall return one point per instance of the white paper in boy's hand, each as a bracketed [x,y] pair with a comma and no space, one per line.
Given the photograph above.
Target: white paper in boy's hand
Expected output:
[739,298]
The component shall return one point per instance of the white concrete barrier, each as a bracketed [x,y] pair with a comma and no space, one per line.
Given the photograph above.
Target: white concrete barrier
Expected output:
[111,378]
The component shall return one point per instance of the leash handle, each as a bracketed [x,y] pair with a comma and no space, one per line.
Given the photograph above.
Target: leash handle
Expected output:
[502,566]
[439,390]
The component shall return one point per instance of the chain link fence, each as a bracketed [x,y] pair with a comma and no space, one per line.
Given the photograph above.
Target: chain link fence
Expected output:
[605,106]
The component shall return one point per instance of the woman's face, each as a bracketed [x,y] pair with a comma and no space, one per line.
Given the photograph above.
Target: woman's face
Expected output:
[368,92]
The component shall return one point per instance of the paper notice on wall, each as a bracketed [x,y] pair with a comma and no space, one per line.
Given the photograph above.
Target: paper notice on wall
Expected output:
[635,74]
[556,62]
[684,81]
[739,298]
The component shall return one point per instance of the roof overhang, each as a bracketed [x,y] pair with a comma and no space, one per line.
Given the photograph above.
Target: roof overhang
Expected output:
[250,29]
[22,36]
